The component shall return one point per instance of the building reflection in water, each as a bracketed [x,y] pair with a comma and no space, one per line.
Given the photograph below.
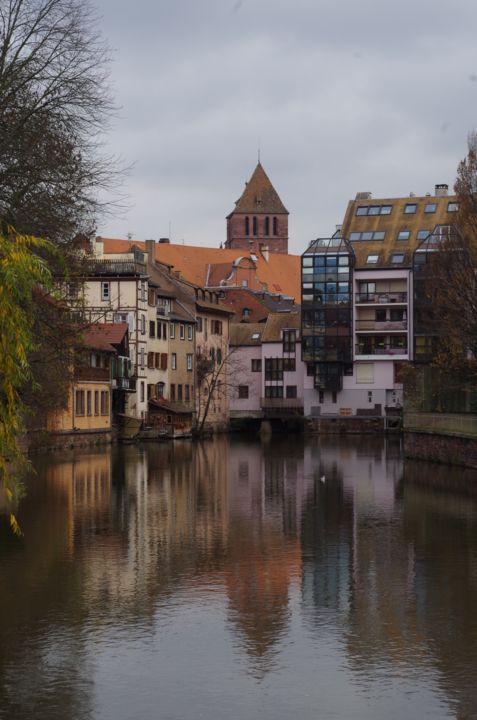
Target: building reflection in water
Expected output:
[377,550]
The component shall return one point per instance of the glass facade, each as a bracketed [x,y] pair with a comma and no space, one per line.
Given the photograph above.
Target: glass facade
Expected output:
[327,310]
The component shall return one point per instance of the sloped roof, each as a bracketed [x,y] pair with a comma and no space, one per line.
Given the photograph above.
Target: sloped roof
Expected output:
[246,333]
[105,336]
[170,407]
[259,196]
[276,322]
[280,274]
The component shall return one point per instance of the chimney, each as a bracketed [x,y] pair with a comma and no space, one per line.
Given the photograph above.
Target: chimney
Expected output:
[442,190]
[164,241]
[363,196]
[151,251]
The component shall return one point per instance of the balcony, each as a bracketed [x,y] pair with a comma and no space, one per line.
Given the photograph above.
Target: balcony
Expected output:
[115,267]
[162,310]
[381,298]
[281,403]
[383,350]
[86,373]
[381,326]
[124,383]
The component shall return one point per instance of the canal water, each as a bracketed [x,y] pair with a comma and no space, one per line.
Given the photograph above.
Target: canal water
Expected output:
[237,579]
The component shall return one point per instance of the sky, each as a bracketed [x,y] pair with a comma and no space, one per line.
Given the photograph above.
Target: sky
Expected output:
[340,96]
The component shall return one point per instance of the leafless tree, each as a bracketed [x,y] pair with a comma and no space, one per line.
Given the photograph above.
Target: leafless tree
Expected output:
[55,105]
[215,379]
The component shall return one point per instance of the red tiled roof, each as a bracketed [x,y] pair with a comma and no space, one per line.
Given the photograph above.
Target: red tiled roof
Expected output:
[280,274]
[104,336]
[259,195]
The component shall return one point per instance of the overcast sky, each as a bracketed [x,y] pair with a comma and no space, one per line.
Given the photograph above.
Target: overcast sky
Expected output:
[341,95]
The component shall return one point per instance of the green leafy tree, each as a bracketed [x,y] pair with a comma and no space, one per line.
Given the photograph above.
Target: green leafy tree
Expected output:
[23,274]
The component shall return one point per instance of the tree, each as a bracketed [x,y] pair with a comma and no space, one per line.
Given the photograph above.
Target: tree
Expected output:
[54,106]
[214,380]
[22,273]
[449,275]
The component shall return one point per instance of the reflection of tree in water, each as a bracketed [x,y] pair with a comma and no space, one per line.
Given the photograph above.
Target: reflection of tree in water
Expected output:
[442,526]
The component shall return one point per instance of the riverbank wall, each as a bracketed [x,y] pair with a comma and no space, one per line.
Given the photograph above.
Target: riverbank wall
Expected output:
[449,438]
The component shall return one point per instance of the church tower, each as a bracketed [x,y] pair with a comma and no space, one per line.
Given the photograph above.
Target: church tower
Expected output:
[259,219]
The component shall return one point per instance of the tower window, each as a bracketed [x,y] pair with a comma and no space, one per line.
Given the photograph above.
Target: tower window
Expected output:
[255,226]
[275,226]
[267,226]
[247,227]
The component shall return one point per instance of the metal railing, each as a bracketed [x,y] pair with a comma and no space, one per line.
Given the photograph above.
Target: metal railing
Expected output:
[282,403]
[381,297]
[380,350]
[381,325]
[115,267]
[93,374]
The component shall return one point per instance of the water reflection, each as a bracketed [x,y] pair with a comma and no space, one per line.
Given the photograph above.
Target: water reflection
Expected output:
[200,576]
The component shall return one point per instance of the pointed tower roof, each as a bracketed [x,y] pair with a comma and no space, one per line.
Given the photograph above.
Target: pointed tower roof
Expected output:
[259,196]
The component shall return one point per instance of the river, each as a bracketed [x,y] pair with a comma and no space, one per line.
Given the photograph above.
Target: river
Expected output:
[231,578]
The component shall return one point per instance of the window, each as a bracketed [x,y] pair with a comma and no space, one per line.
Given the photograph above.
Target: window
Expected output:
[254,225]
[164,331]
[452,207]
[79,402]
[152,328]
[143,291]
[246,312]
[374,210]
[160,390]
[321,397]
[142,358]
[173,391]
[187,393]
[190,331]
[247,226]
[334,397]
[368,235]
[397,258]
[172,330]
[291,391]
[267,226]
[174,361]
[370,396]
[255,336]
[150,360]
[404,235]
[96,402]
[105,291]
[243,392]
[274,391]
[256,366]
[430,208]
[216,327]
[157,361]
[372,259]
[289,341]
[273,369]
[275,226]
[289,364]
[219,356]
[199,324]
[143,324]
[380,315]
[244,283]
[422,234]
[410,208]
[182,331]
[179,393]
[142,391]
[365,373]
[189,361]
[163,361]
[105,400]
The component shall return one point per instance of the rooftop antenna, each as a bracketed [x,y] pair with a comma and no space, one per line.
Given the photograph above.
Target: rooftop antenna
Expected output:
[170,236]
[259,151]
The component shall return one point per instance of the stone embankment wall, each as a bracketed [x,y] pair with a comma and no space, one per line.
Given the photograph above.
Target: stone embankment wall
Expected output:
[345,425]
[437,447]
[41,440]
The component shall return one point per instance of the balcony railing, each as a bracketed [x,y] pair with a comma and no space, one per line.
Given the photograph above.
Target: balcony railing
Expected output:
[282,403]
[380,350]
[381,298]
[92,374]
[115,267]
[380,326]
[124,383]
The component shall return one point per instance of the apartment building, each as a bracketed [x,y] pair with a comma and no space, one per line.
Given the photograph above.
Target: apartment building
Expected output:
[357,302]
[268,372]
